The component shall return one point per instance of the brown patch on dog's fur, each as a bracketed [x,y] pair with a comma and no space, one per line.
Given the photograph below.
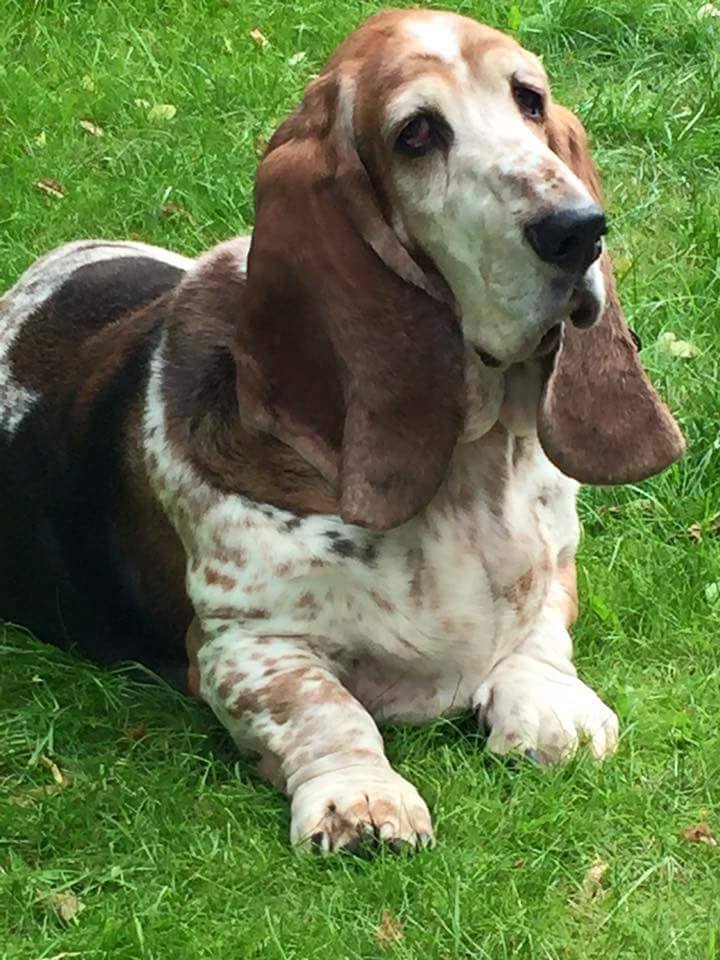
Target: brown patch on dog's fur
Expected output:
[288,693]
[229,681]
[517,591]
[194,639]
[382,602]
[215,577]
[308,601]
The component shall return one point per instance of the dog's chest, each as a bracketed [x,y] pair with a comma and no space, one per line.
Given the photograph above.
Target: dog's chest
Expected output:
[465,583]
[413,617]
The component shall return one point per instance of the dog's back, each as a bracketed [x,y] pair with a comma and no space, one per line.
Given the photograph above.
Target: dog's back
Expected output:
[75,338]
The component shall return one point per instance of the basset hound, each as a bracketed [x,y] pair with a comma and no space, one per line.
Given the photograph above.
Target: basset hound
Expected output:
[326,477]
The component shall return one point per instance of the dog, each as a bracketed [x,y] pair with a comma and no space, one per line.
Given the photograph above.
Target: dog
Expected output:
[326,477]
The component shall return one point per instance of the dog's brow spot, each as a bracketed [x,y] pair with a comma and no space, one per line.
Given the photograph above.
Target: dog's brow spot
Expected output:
[437,38]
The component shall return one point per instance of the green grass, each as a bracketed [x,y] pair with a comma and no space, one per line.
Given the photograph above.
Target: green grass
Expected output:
[173,846]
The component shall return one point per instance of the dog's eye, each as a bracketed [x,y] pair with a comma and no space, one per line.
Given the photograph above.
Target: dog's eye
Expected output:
[419,135]
[530,102]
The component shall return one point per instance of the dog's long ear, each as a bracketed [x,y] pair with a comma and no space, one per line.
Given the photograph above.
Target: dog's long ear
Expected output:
[346,349]
[600,419]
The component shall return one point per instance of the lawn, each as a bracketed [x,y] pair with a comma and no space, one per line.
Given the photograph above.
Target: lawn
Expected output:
[128,828]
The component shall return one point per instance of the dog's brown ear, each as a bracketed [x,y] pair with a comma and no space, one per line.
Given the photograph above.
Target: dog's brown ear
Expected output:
[346,349]
[600,419]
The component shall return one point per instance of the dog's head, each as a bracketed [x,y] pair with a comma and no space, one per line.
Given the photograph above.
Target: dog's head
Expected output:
[428,193]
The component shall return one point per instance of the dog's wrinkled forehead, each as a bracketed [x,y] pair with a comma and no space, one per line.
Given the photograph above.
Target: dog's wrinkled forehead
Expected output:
[469,48]
[401,60]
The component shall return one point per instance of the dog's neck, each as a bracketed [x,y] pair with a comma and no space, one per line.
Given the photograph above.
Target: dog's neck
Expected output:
[509,397]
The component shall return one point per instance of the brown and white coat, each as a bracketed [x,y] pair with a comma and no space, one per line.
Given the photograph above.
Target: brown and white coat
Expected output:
[327,477]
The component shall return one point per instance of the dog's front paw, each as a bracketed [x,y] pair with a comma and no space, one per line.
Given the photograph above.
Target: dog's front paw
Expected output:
[357,807]
[531,706]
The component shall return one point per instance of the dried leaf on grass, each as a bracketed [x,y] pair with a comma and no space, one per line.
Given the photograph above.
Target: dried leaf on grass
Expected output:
[259,38]
[92,128]
[389,931]
[173,209]
[51,187]
[66,905]
[592,888]
[700,833]
[161,111]
[682,349]
[23,800]
[139,730]
[58,776]
[594,879]
[710,528]
[61,780]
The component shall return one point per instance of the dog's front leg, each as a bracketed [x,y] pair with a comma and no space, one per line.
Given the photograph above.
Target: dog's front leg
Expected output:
[279,697]
[533,700]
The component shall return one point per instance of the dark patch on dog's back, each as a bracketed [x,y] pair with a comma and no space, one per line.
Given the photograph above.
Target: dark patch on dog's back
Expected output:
[46,350]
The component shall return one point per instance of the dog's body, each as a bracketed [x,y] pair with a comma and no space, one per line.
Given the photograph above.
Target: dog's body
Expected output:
[343,521]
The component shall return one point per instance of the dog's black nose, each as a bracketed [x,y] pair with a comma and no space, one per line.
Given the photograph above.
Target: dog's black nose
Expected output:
[569,238]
